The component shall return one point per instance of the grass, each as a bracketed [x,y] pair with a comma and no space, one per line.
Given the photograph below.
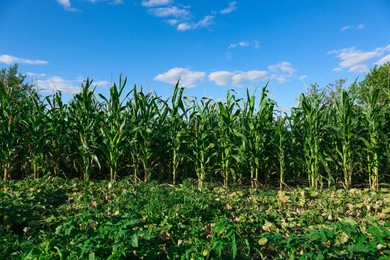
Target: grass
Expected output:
[53,218]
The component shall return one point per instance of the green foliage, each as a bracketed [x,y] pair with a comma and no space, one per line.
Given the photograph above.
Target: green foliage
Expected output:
[373,98]
[72,174]
[112,131]
[257,128]
[313,124]
[84,122]
[51,217]
[344,127]
[15,104]
[12,80]
[339,136]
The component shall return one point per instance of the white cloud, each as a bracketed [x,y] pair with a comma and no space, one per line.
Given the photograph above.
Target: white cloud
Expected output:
[356,60]
[281,72]
[249,76]
[67,5]
[179,15]
[169,12]
[350,27]
[113,2]
[102,83]
[35,75]
[223,78]
[360,68]
[352,57]
[345,28]
[382,50]
[283,66]
[153,3]
[360,26]
[255,44]
[383,60]
[184,26]
[56,83]
[232,7]
[172,22]
[188,78]
[64,3]
[8,59]
[280,78]
[243,44]
[337,69]
[117,2]
[205,22]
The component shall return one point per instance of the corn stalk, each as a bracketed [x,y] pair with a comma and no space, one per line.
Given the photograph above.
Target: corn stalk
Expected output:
[344,125]
[313,121]
[372,120]
[203,121]
[281,138]
[175,129]
[84,124]
[112,131]
[36,136]
[143,111]
[229,138]
[257,129]
[8,135]
[58,127]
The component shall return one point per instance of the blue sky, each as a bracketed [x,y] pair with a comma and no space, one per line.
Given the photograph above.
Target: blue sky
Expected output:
[212,45]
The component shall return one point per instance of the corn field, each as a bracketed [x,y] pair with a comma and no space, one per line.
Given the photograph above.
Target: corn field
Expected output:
[327,140]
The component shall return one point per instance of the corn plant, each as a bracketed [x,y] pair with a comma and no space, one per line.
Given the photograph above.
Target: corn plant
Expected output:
[331,136]
[344,126]
[372,120]
[296,143]
[175,129]
[143,111]
[313,126]
[203,120]
[229,138]
[112,130]
[8,135]
[58,127]
[84,124]
[36,136]
[373,98]
[257,127]
[280,141]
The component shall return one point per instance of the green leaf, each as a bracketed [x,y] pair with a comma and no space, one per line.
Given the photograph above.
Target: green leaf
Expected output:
[349,221]
[262,241]
[134,240]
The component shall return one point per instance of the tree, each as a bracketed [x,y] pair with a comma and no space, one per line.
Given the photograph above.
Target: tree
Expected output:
[377,78]
[12,79]
[13,107]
